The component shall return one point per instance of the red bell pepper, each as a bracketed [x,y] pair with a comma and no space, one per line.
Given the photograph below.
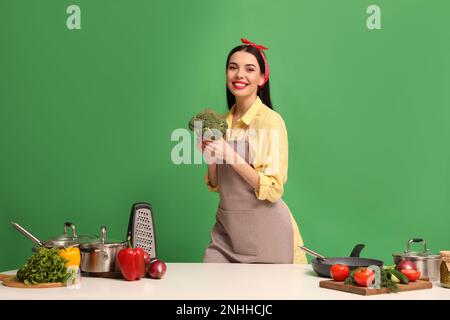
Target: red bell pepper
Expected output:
[131,261]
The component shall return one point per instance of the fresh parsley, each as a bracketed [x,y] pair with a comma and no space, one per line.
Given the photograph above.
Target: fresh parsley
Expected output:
[44,266]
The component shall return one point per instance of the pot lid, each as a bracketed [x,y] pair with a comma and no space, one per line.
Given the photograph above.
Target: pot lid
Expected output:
[414,255]
[69,240]
[102,242]
[417,255]
[100,245]
[61,243]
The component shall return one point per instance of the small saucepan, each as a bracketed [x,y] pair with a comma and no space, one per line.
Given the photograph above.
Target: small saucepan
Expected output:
[322,265]
[99,258]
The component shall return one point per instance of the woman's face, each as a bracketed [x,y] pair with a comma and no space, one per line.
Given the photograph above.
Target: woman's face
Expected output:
[243,74]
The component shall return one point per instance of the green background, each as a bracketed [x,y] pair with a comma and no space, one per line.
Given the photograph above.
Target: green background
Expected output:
[86,118]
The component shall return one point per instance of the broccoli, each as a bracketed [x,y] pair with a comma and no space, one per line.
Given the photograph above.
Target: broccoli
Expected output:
[211,122]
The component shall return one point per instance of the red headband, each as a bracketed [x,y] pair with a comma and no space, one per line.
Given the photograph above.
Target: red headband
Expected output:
[260,49]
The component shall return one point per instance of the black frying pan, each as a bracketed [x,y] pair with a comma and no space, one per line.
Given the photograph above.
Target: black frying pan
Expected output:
[321,265]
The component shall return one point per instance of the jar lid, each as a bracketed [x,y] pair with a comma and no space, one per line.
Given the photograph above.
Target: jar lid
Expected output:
[445,253]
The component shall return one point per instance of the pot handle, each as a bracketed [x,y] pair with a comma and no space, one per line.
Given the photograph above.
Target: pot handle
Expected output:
[103,231]
[72,227]
[410,241]
[357,250]
[26,233]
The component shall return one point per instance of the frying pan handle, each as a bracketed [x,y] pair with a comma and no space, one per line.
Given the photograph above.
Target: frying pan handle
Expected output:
[313,253]
[357,250]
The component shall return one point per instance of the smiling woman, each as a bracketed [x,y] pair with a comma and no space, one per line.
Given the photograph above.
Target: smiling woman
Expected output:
[254,63]
[253,225]
[234,68]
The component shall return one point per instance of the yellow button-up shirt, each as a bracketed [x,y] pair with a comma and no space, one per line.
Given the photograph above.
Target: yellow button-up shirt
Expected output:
[268,147]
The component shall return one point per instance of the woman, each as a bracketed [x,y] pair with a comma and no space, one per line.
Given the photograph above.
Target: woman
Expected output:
[249,169]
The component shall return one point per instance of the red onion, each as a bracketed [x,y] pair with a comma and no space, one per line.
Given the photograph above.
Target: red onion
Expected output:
[406,264]
[157,269]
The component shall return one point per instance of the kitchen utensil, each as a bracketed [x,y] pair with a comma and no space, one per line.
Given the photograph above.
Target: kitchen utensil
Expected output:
[27,234]
[426,262]
[340,286]
[64,241]
[313,253]
[322,265]
[6,276]
[9,280]
[141,228]
[101,256]
[83,238]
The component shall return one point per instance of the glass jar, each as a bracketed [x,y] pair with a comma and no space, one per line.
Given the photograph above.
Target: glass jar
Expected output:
[445,269]
[73,257]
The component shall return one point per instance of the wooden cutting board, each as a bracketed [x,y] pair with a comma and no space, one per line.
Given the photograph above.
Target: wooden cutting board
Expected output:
[9,280]
[340,286]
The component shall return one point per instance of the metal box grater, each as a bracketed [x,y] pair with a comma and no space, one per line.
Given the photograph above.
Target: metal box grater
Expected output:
[141,228]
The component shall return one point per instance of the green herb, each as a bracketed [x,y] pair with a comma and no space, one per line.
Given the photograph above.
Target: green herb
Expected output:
[44,266]
[350,279]
[389,267]
[387,282]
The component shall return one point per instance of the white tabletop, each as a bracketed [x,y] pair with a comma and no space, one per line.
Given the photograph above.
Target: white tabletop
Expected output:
[210,281]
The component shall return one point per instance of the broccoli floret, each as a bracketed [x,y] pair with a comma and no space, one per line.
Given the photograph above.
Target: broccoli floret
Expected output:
[210,120]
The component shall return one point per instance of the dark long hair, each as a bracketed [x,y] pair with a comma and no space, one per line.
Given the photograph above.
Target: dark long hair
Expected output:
[264,93]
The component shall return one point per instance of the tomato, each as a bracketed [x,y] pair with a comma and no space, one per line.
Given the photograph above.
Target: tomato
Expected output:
[364,277]
[339,272]
[411,274]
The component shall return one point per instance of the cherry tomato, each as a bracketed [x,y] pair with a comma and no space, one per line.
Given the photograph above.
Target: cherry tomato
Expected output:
[411,274]
[364,277]
[339,272]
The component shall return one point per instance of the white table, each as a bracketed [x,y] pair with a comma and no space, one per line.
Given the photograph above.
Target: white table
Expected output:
[199,281]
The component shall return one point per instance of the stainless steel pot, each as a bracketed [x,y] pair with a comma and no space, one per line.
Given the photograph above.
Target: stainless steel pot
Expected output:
[63,241]
[101,256]
[427,263]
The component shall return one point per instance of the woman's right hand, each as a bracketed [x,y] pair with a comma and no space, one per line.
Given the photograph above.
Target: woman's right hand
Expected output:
[201,145]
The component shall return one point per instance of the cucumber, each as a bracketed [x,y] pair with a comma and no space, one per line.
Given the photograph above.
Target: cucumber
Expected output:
[394,278]
[403,279]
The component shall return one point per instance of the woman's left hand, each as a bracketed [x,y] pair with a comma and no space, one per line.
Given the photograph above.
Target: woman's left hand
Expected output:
[222,151]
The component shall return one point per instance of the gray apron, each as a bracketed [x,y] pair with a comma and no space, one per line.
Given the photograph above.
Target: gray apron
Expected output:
[248,230]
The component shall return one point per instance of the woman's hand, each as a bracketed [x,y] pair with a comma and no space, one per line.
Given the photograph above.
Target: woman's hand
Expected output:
[201,146]
[221,151]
